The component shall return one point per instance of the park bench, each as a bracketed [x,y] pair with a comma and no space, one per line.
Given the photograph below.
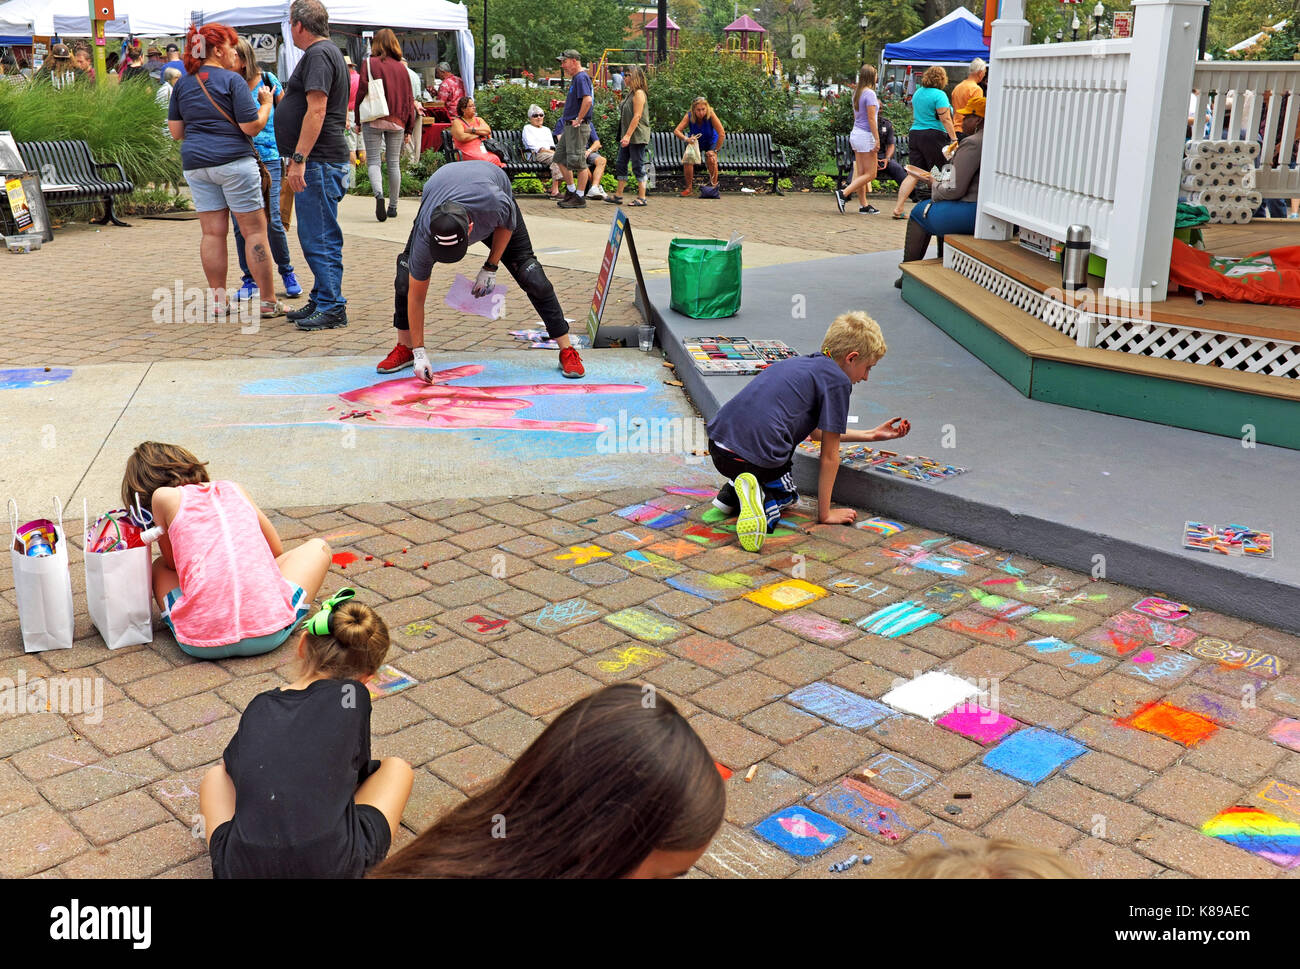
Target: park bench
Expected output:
[741,152]
[71,176]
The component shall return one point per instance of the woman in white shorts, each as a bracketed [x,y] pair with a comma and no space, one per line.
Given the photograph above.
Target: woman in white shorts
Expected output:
[864,139]
[213,114]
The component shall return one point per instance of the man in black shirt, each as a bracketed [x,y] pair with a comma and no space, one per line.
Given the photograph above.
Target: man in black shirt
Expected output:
[310,119]
[885,161]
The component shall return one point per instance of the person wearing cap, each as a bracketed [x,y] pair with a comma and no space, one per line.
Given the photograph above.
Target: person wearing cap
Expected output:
[571,152]
[59,68]
[174,58]
[464,203]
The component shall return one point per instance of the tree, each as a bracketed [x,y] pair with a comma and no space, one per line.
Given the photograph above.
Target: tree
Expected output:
[888,21]
[1232,21]
[529,33]
[828,57]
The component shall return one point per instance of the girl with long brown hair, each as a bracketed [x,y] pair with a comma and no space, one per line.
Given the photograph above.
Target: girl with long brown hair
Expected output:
[386,134]
[864,139]
[618,786]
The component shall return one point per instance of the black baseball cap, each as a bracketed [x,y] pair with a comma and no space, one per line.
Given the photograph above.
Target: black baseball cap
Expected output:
[172,49]
[449,232]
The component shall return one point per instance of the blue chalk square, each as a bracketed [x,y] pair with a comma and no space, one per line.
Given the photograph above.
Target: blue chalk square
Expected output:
[800,831]
[841,706]
[1031,755]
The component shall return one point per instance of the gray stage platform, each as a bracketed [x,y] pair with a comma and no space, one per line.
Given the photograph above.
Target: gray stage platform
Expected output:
[1054,483]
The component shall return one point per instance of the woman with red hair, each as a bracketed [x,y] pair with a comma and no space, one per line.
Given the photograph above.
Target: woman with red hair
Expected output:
[213,114]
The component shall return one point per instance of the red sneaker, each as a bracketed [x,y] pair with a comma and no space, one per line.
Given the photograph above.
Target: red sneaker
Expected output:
[571,363]
[399,359]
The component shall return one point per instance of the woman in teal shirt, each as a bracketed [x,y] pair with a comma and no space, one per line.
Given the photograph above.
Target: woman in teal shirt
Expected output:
[932,129]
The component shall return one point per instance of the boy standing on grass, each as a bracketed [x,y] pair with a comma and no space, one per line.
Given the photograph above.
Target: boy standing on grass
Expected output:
[753,437]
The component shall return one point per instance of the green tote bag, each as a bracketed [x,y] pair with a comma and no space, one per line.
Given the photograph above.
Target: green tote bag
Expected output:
[705,278]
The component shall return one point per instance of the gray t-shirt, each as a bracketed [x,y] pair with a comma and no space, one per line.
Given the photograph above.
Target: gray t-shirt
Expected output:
[780,407]
[484,190]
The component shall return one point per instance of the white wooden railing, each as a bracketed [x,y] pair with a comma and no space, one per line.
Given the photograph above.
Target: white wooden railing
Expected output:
[1092,134]
[1238,100]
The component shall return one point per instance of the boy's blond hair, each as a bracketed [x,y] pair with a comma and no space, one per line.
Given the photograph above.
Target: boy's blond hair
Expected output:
[991,859]
[854,331]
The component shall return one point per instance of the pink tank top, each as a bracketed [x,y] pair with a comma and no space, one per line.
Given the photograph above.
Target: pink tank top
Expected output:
[231,588]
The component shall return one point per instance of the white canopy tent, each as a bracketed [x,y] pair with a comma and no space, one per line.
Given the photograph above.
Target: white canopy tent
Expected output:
[156,18]
[44,18]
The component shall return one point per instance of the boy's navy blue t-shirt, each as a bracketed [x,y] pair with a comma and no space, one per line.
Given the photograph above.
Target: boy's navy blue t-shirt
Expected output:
[780,407]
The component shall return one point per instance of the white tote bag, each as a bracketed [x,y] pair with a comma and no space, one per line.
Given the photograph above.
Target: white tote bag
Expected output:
[44,588]
[374,105]
[118,593]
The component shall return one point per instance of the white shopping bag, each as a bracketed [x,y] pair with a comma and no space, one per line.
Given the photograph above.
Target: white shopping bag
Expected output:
[118,593]
[43,585]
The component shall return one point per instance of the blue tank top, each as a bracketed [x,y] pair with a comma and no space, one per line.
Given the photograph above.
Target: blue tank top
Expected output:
[708,134]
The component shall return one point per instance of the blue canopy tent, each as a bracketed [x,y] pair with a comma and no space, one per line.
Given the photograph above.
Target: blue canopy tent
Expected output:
[956,39]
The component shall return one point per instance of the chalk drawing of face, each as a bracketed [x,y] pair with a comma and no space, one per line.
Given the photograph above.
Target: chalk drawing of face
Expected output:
[410,402]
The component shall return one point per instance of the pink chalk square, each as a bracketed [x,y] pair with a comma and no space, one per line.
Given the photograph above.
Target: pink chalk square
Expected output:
[978,723]
[1287,733]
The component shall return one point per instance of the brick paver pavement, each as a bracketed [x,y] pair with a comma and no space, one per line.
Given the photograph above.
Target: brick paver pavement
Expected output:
[787,683]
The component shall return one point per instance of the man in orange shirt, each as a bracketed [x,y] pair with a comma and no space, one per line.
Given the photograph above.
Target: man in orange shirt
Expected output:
[966,90]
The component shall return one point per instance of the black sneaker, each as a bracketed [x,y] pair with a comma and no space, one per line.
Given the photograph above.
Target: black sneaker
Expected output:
[840,200]
[302,312]
[573,201]
[324,320]
[392,210]
[380,214]
[868,210]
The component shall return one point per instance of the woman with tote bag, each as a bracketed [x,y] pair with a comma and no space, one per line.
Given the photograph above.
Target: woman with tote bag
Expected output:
[386,115]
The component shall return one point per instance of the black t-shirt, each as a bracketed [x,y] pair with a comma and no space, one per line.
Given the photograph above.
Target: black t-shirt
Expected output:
[320,69]
[297,760]
[887,136]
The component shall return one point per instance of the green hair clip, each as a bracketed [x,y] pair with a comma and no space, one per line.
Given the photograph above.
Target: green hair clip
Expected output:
[319,624]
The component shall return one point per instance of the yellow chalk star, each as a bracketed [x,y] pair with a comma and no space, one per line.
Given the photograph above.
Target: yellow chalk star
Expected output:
[582,554]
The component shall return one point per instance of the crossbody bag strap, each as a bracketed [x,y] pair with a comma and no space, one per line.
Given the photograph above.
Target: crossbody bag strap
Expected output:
[207,95]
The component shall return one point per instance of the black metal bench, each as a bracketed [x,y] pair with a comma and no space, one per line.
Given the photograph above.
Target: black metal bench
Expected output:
[516,161]
[741,152]
[844,158]
[71,176]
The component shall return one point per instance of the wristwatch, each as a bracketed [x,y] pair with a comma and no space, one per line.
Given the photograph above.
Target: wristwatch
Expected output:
[298,158]
[490,266]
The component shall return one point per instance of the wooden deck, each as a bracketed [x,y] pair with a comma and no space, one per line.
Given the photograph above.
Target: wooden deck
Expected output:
[1249,319]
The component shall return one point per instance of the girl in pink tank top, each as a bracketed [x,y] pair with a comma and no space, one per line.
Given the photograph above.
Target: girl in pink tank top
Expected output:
[224,582]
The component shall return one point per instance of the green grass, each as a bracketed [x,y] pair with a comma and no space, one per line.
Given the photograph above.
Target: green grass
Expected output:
[121,122]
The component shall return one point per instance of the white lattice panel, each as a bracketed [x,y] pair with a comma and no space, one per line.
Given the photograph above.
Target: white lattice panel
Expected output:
[1229,351]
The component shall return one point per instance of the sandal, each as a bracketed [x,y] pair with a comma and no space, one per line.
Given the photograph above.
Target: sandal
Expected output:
[614,199]
[897,215]
[638,201]
[270,309]
[686,193]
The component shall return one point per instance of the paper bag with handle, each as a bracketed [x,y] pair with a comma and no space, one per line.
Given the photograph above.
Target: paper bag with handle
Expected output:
[38,553]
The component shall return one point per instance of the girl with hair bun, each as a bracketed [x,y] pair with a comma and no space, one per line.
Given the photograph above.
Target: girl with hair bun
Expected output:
[296,794]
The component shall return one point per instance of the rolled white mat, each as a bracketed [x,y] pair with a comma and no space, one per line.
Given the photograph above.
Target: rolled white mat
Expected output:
[1254,200]
[1196,165]
[1244,214]
[1249,149]
[1205,148]
[1248,180]
[1213,212]
[1194,183]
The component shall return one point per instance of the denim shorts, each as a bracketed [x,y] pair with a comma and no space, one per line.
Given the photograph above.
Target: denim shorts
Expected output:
[236,185]
[254,646]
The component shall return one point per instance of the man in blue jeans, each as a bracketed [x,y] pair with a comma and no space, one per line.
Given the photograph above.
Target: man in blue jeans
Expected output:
[309,132]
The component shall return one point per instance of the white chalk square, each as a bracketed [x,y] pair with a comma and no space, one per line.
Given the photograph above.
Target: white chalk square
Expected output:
[930,695]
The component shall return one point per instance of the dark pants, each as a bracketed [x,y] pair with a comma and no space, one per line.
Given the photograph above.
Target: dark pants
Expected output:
[936,219]
[635,154]
[517,257]
[892,170]
[926,148]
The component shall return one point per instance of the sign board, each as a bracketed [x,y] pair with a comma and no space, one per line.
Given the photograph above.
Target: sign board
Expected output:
[617,230]
[1123,20]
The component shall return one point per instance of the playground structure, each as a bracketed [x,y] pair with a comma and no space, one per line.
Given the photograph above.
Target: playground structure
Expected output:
[746,39]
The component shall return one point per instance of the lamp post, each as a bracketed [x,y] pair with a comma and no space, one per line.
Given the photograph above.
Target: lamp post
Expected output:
[1074,28]
[1060,35]
[862,25]
[485,45]
[1098,18]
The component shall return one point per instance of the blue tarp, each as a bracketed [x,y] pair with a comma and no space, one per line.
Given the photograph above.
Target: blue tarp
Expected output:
[956,38]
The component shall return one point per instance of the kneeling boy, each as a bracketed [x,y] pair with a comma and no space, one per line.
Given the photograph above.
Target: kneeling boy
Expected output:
[753,437]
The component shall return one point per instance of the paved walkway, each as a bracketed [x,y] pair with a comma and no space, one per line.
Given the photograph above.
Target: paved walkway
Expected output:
[506,609]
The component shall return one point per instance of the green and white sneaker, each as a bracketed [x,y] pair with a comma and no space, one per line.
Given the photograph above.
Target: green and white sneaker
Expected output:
[751,526]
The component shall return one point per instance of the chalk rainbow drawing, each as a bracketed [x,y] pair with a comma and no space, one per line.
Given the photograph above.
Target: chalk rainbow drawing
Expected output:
[1167,720]
[898,619]
[1258,832]
[20,378]
[881,526]
[410,402]
[715,588]
[652,516]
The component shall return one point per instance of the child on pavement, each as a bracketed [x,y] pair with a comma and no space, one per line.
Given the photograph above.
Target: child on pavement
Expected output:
[753,437]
